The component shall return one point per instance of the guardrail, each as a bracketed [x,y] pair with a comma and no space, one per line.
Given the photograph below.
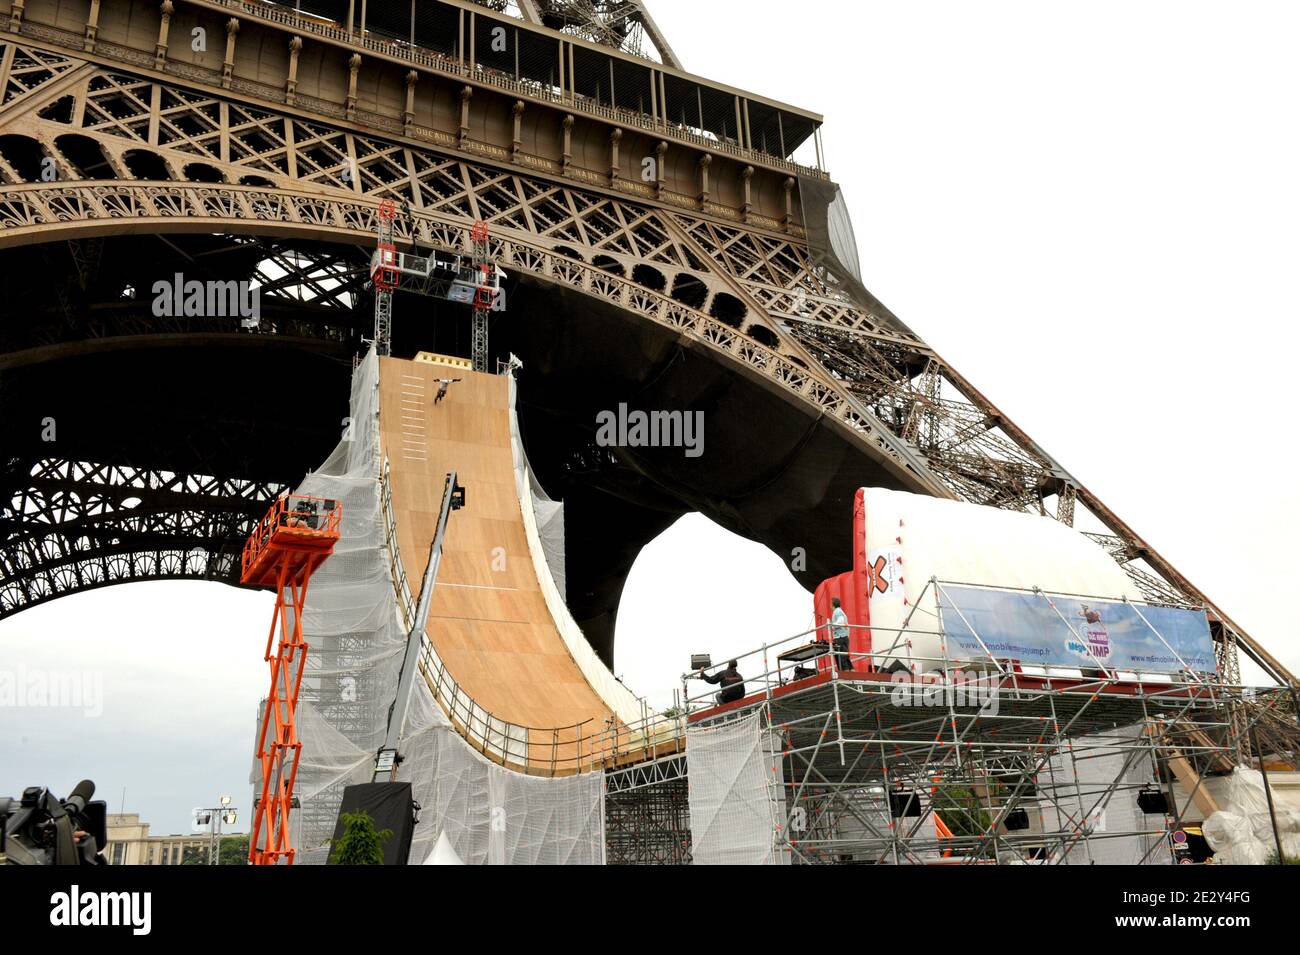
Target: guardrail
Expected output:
[770,674]
[967,682]
[294,522]
[545,751]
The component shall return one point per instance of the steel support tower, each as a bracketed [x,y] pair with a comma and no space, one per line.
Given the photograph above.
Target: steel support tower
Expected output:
[484,293]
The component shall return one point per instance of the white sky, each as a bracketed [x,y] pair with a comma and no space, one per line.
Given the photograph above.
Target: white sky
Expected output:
[1089,209]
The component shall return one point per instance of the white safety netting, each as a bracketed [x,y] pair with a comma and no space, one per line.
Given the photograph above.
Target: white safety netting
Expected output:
[351,627]
[548,513]
[1241,832]
[735,793]
[1095,783]
[477,812]
[549,516]
[357,641]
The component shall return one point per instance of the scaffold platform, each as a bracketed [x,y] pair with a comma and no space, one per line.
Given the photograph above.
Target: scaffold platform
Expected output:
[980,762]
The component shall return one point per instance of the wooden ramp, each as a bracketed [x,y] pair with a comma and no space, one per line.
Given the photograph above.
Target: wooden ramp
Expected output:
[489,622]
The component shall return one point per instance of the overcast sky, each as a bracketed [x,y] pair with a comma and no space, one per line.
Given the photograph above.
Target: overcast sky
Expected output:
[1089,209]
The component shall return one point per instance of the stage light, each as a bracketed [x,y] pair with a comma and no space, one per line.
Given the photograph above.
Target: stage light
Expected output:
[1016,820]
[1153,801]
[904,803]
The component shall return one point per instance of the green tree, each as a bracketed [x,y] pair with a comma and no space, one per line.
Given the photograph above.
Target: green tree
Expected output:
[961,810]
[194,855]
[233,850]
[360,844]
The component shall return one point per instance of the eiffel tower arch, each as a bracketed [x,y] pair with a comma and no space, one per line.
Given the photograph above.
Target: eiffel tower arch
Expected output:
[663,247]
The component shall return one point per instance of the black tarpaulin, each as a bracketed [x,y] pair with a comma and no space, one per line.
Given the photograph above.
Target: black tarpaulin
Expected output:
[391,806]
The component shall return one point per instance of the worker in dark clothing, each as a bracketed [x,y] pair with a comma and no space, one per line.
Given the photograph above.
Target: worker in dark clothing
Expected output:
[733,684]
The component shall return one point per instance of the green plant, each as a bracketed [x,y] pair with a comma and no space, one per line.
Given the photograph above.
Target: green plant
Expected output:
[961,810]
[1289,860]
[231,850]
[360,844]
[194,855]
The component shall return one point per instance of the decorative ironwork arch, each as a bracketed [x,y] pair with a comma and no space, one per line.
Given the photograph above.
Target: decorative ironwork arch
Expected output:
[297,167]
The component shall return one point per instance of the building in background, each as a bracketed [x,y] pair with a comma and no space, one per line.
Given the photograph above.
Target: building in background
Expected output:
[129,843]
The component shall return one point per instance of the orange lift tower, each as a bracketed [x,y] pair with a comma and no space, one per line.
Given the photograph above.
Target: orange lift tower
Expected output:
[285,548]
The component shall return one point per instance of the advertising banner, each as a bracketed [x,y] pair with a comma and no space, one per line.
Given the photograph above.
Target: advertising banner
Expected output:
[1049,630]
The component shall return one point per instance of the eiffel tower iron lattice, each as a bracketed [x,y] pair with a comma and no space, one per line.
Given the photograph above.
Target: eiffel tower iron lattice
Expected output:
[606,175]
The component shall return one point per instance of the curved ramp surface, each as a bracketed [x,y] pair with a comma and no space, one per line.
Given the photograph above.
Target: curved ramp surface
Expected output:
[496,621]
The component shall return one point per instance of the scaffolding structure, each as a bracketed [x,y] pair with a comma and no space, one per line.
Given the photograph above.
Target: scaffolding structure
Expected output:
[484,293]
[647,816]
[474,280]
[384,274]
[982,761]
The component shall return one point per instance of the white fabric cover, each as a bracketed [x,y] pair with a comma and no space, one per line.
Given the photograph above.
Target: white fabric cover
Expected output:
[443,853]
[351,627]
[549,516]
[735,794]
[1122,833]
[490,815]
[921,537]
[1241,833]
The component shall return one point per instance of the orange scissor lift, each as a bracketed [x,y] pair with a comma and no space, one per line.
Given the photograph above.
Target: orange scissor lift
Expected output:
[285,548]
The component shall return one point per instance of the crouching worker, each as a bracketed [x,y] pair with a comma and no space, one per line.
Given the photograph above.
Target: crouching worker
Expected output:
[733,684]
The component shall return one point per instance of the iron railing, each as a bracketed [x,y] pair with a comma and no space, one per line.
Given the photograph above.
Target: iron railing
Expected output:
[576,102]
[772,671]
[296,521]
